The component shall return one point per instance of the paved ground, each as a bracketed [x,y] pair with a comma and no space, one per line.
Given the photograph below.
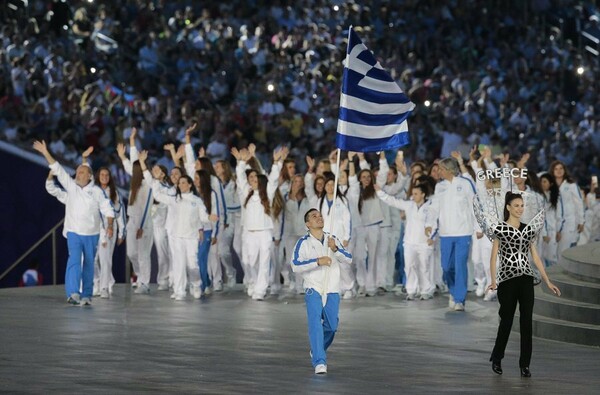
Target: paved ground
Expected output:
[228,344]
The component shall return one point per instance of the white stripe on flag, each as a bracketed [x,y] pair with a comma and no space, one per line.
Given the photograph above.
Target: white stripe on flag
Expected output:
[354,103]
[380,86]
[374,132]
[358,65]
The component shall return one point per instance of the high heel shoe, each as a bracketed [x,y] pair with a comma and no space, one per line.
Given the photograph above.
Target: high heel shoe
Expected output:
[497,367]
[525,372]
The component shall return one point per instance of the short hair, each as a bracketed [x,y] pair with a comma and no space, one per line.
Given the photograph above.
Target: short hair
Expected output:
[450,164]
[308,213]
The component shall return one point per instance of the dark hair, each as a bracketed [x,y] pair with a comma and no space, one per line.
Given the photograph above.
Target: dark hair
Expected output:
[190,181]
[508,200]
[136,181]
[205,189]
[166,178]
[365,193]
[206,164]
[329,177]
[262,192]
[308,213]
[423,188]
[567,176]
[554,192]
[111,183]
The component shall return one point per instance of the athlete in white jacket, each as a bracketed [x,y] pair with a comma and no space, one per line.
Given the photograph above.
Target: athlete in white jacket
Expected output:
[317,257]
[84,202]
[256,196]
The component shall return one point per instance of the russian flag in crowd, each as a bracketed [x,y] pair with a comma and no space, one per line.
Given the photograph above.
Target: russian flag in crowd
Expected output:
[373,108]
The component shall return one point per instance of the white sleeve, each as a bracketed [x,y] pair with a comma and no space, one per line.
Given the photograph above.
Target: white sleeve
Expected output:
[309,182]
[65,179]
[55,191]
[190,160]
[392,201]
[273,180]
[384,169]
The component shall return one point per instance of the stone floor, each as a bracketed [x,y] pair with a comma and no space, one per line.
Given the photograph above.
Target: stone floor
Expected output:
[228,344]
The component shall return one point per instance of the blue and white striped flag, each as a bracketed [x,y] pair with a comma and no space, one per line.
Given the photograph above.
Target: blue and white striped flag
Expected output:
[373,108]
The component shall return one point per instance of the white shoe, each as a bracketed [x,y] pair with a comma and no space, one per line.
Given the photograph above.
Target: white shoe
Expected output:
[196,292]
[104,293]
[321,369]
[480,290]
[142,289]
[208,291]
[258,297]
[371,293]
[426,296]
[134,285]
[459,307]
[173,296]
[361,291]
[231,282]
[179,298]
[490,296]
[96,291]
[250,290]
[163,287]
[348,295]
[218,287]
[86,302]
[451,303]
[411,297]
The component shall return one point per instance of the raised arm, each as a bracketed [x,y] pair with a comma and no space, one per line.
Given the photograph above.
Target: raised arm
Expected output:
[55,190]
[65,179]
[127,166]
[384,169]
[279,156]
[392,201]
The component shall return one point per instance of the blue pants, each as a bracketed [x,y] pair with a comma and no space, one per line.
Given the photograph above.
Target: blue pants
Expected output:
[455,253]
[74,275]
[203,249]
[322,323]
[399,256]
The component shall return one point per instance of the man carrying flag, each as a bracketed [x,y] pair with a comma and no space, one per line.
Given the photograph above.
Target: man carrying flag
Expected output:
[373,113]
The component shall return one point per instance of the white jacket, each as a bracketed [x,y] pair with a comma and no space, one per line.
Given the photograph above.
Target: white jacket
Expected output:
[342,224]
[294,217]
[254,217]
[304,261]
[452,205]
[414,234]
[371,214]
[571,205]
[169,220]
[188,211]
[82,205]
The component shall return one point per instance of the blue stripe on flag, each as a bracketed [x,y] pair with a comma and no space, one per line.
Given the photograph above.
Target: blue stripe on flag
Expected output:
[350,87]
[380,74]
[366,56]
[358,144]
[371,119]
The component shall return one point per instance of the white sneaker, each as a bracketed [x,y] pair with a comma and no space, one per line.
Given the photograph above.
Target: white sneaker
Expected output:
[321,369]
[426,296]
[104,293]
[480,290]
[490,296]
[459,307]
[372,293]
[361,291]
[142,289]
[250,290]
[348,295]
[134,285]
[258,297]
[86,302]
[173,295]
[196,292]
[451,303]
[411,297]
[163,287]
[74,299]
[179,298]
[218,287]
[96,291]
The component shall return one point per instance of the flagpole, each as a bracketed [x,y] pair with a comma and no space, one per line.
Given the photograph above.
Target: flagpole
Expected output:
[335,188]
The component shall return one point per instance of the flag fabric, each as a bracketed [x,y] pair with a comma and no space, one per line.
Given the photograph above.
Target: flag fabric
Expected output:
[373,108]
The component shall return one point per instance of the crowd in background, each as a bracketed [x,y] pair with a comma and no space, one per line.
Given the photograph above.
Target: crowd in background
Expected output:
[84,73]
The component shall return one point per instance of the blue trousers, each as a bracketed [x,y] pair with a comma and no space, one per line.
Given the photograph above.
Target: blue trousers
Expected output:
[399,256]
[455,253]
[322,323]
[203,249]
[74,275]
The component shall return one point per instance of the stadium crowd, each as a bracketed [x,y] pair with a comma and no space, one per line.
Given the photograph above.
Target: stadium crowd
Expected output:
[490,86]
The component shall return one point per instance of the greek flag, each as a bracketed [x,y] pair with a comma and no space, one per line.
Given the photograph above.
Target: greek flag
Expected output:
[373,108]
